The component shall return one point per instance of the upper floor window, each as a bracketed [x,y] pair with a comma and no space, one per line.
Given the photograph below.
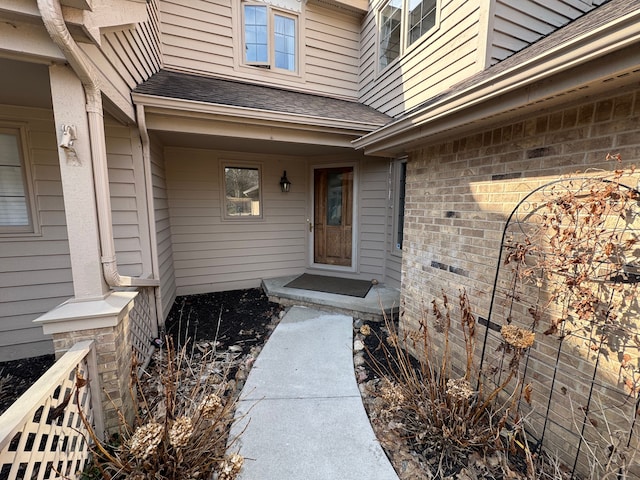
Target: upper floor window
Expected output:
[270,37]
[402,22]
[15,213]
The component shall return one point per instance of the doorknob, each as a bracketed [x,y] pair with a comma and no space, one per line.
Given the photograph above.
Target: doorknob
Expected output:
[310,225]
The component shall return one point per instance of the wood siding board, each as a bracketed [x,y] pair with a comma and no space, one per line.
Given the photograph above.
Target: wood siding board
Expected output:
[125,58]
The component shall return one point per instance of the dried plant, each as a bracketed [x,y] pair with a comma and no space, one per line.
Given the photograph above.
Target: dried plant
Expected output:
[446,417]
[577,262]
[181,426]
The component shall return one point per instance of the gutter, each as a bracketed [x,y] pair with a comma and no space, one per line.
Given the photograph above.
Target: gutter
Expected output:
[193,108]
[609,38]
[53,19]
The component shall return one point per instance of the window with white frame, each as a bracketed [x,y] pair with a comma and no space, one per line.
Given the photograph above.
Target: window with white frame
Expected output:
[400,175]
[270,37]
[15,212]
[401,23]
[242,191]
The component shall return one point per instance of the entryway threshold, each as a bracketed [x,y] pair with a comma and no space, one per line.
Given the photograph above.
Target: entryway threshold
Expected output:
[381,298]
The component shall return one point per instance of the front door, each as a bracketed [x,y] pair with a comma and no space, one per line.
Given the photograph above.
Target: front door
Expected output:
[333,215]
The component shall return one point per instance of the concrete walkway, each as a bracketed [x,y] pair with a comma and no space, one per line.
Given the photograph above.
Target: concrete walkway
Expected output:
[301,409]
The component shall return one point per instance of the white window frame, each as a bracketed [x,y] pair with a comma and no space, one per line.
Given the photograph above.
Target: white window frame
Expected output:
[223,190]
[19,131]
[270,64]
[405,44]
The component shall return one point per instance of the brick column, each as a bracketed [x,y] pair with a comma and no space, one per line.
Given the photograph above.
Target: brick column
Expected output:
[107,322]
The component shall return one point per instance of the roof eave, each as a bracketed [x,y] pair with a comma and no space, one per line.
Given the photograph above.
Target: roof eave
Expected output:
[190,108]
[480,100]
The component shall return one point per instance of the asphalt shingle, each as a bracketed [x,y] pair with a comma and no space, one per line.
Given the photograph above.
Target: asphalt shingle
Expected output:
[218,91]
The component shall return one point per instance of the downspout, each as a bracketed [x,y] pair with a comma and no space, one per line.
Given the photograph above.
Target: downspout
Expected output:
[53,19]
[151,214]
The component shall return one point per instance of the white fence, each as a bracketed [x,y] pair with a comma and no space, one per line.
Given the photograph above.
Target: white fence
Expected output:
[42,435]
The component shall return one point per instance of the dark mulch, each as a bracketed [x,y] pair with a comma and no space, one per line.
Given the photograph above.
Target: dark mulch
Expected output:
[239,318]
[16,376]
[236,318]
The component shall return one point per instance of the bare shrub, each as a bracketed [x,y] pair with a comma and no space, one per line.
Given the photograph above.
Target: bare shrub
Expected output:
[182,422]
[451,421]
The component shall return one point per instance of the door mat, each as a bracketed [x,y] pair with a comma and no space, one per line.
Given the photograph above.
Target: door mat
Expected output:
[340,286]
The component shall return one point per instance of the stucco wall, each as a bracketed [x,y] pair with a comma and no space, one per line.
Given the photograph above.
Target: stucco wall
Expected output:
[459,195]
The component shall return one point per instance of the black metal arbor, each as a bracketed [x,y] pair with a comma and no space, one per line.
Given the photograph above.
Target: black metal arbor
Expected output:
[569,270]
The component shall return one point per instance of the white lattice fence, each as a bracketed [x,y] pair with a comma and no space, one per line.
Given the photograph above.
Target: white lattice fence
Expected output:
[42,435]
[141,320]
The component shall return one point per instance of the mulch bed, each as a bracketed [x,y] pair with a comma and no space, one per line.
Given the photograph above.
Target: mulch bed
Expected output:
[237,319]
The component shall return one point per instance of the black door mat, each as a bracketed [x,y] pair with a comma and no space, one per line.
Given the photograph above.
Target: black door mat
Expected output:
[340,286]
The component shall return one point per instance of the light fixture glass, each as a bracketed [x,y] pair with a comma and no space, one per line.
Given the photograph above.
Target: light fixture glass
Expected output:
[285,184]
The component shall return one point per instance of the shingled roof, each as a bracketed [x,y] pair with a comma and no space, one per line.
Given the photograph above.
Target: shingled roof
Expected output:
[590,21]
[218,91]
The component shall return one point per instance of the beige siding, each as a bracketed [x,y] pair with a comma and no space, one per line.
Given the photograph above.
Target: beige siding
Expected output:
[197,37]
[213,254]
[128,57]
[518,24]
[35,270]
[440,59]
[127,197]
[163,228]
[373,210]
[393,272]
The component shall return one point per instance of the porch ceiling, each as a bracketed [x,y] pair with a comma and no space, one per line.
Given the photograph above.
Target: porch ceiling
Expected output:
[25,84]
[236,144]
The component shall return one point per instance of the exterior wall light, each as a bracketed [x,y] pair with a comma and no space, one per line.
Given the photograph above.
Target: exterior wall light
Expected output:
[285,184]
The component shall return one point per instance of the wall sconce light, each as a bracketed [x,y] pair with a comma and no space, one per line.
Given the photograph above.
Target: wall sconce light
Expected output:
[285,184]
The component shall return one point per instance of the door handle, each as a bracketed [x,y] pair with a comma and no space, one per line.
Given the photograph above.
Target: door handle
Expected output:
[310,225]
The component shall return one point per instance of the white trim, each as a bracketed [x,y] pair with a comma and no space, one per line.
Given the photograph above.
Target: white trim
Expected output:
[355,221]
[192,108]
[268,67]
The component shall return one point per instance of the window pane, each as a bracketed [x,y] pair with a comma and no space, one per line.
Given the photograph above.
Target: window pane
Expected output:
[9,152]
[402,186]
[13,199]
[422,17]
[285,36]
[334,198]
[242,187]
[389,34]
[255,33]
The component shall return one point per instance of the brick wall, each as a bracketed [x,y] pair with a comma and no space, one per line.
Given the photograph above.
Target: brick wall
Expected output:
[459,195]
[113,355]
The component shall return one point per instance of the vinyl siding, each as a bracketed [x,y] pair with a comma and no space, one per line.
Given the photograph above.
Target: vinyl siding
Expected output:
[163,228]
[198,37]
[518,24]
[127,198]
[35,270]
[444,56]
[373,206]
[213,254]
[127,57]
